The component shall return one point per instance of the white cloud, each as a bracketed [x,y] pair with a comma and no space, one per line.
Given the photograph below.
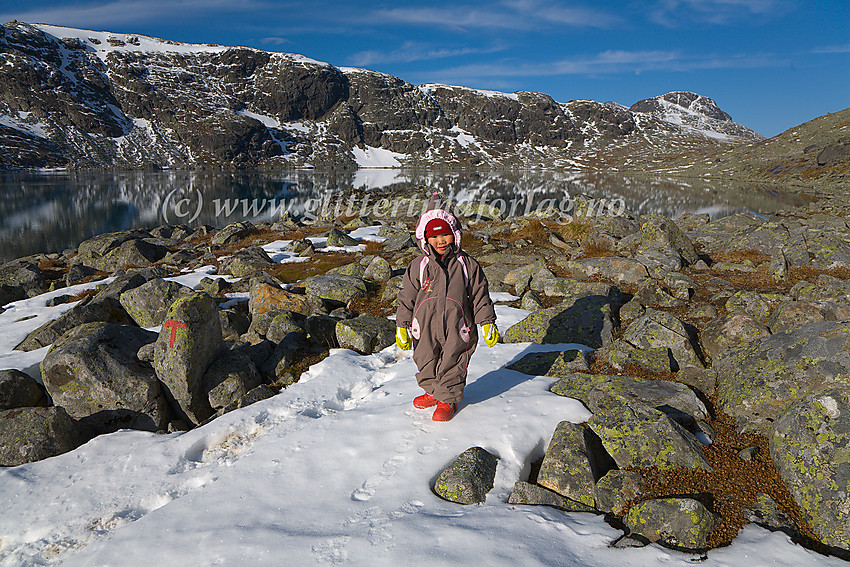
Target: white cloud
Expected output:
[415,51]
[673,13]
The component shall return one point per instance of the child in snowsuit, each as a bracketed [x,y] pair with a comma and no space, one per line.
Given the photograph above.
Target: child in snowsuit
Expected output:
[444,295]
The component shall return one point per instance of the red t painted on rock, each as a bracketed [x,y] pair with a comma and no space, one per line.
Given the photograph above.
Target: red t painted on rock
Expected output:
[173,325]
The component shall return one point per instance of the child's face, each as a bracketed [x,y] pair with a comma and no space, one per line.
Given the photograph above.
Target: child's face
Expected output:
[441,242]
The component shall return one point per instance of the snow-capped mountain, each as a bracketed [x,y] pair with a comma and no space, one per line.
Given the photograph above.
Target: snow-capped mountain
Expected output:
[82,99]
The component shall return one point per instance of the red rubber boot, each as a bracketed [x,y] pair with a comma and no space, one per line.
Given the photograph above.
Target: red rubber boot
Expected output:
[426,400]
[444,412]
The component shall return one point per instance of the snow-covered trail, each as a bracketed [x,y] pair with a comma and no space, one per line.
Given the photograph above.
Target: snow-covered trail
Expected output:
[336,469]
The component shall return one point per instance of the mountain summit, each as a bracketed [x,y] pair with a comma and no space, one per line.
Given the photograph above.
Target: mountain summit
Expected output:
[83,99]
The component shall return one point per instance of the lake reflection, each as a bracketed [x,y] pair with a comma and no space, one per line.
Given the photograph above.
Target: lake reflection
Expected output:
[49,212]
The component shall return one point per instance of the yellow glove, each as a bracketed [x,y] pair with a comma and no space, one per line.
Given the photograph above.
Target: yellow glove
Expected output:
[402,340]
[491,333]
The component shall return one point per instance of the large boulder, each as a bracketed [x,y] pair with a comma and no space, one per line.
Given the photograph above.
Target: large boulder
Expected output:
[20,390]
[94,373]
[365,334]
[335,287]
[266,297]
[810,446]
[535,495]
[587,320]
[620,270]
[556,364]
[660,329]
[469,478]
[680,523]
[33,434]
[721,334]
[758,380]
[20,278]
[245,262]
[637,435]
[148,303]
[90,310]
[229,378]
[190,340]
[574,461]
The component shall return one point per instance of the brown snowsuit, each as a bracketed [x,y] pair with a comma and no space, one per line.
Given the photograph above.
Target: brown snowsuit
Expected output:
[440,303]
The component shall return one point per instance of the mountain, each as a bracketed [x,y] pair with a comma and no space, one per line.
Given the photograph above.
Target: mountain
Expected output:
[81,99]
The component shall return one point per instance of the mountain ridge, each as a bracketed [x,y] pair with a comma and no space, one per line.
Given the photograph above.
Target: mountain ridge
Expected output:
[81,99]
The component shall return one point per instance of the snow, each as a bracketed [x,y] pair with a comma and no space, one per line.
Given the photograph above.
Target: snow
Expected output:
[336,469]
[376,157]
[429,88]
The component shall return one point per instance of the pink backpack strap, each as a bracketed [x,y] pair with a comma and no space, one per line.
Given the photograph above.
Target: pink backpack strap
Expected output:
[422,263]
[465,270]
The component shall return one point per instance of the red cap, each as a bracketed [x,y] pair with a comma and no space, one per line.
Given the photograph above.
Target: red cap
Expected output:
[436,227]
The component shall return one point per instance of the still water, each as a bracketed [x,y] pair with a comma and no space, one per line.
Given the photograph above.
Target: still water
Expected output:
[50,212]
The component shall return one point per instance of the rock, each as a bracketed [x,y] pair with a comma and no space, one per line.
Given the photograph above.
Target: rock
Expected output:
[257,394]
[365,334]
[398,242]
[722,334]
[586,320]
[285,322]
[148,303]
[573,462]
[234,323]
[674,399]
[131,253]
[229,378]
[637,435]
[757,380]
[337,238]
[617,488]
[19,279]
[766,513]
[778,267]
[93,372]
[810,446]
[89,310]
[19,390]
[77,273]
[521,276]
[321,330]
[298,245]
[534,495]
[33,434]
[335,287]
[621,354]
[245,262]
[794,314]
[650,294]
[392,288]
[530,301]
[660,233]
[656,329]
[190,340]
[378,270]
[469,478]
[556,364]
[680,523]
[265,297]
[620,270]
[355,269]
[757,305]
[277,367]
[232,233]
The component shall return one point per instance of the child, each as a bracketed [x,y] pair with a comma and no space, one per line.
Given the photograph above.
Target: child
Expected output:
[443,296]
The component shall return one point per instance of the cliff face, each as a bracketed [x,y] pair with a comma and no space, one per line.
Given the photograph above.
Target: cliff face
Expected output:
[79,99]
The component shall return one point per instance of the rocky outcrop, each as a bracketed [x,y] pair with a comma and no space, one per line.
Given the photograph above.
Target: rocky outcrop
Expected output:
[469,478]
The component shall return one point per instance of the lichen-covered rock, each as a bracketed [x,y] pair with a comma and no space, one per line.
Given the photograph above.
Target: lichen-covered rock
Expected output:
[680,523]
[398,241]
[20,390]
[89,310]
[616,488]
[138,252]
[556,364]
[94,373]
[233,233]
[188,343]
[245,262]
[810,446]
[758,305]
[619,354]
[148,303]
[336,287]
[765,512]
[794,314]
[266,297]
[469,478]
[229,378]
[672,398]
[285,322]
[337,238]
[758,380]
[21,278]
[535,495]
[656,329]
[586,320]
[365,334]
[621,270]
[721,334]
[659,232]
[378,270]
[573,462]
[33,434]
[637,435]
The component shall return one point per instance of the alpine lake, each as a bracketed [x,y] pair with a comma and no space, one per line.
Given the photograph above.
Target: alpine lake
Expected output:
[54,211]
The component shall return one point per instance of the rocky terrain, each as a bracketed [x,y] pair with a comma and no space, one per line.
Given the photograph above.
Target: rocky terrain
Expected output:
[81,100]
[718,381]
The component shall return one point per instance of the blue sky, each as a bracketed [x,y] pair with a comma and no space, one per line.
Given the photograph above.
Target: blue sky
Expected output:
[771,64]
